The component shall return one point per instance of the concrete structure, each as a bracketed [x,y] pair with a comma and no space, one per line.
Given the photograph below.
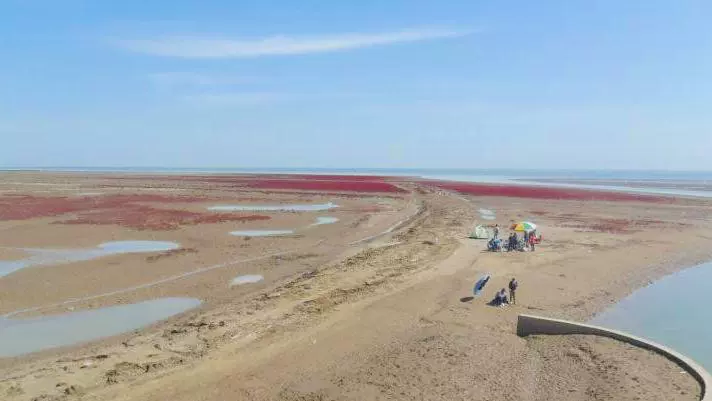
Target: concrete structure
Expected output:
[529,325]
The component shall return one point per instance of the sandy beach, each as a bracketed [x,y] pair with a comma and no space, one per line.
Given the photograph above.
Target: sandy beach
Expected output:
[376,305]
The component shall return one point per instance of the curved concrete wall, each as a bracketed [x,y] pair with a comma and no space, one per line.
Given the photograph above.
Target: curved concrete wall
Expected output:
[528,324]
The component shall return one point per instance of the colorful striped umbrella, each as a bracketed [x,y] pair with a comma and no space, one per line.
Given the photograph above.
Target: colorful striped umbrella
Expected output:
[524,226]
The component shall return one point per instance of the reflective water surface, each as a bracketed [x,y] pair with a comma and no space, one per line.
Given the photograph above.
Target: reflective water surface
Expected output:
[246,279]
[22,336]
[260,233]
[671,311]
[40,256]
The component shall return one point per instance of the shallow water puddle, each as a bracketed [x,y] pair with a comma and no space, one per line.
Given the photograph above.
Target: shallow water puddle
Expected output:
[246,279]
[22,336]
[487,214]
[324,220]
[260,233]
[273,233]
[9,266]
[138,246]
[274,208]
[58,256]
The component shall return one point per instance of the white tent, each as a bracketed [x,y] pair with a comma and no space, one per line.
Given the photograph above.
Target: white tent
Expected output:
[481,232]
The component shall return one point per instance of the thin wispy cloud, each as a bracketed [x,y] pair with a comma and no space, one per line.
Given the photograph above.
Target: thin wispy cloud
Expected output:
[178,79]
[256,98]
[201,47]
[237,99]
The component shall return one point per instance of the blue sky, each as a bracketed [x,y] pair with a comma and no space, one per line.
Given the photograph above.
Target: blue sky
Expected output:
[453,84]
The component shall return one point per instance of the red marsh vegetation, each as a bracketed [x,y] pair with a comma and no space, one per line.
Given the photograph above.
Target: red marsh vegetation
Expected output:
[125,210]
[143,217]
[20,207]
[304,182]
[325,185]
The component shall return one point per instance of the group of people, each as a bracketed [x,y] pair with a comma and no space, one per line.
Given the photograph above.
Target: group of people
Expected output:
[512,243]
[501,298]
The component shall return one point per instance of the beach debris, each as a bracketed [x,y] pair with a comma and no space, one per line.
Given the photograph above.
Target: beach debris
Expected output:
[73,390]
[45,397]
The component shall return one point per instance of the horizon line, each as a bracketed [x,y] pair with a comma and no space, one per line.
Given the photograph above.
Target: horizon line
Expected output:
[139,167]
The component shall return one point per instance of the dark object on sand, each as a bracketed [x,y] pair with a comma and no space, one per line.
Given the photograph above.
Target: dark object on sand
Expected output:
[480,284]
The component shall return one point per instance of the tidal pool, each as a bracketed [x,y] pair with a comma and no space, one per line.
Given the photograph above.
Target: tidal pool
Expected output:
[40,256]
[487,214]
[246,279]
[22,336]
[260,233]
[274,208]
[137,246]
[325,220]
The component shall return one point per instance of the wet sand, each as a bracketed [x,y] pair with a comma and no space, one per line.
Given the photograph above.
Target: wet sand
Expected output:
[12,254]
[693,185]
[391,318]
[202,245]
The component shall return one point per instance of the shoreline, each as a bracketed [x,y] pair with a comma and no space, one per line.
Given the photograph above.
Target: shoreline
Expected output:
[314,303]
[657,272]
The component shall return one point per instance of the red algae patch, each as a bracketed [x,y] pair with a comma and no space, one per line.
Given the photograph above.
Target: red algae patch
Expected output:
[305,182]
[325,185]
[249,177]
[143,217]
[344,195]
[520,191]
[331,177]
[22,207]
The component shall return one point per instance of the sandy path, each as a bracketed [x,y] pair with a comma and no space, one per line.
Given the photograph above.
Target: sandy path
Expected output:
[419,342]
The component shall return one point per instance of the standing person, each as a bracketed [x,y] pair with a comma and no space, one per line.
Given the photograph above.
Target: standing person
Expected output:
[496,231]
[513,240]
[532,241]
[513,284]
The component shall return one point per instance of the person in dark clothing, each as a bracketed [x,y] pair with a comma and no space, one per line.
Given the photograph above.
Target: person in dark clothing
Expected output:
[513,285]
[501,298]
[512,243]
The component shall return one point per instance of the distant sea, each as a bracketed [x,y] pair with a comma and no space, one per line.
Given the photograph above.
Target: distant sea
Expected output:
[493,176]
[460,172]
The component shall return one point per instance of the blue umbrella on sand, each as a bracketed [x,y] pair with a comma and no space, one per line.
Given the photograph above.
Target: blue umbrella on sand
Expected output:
[480,284]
